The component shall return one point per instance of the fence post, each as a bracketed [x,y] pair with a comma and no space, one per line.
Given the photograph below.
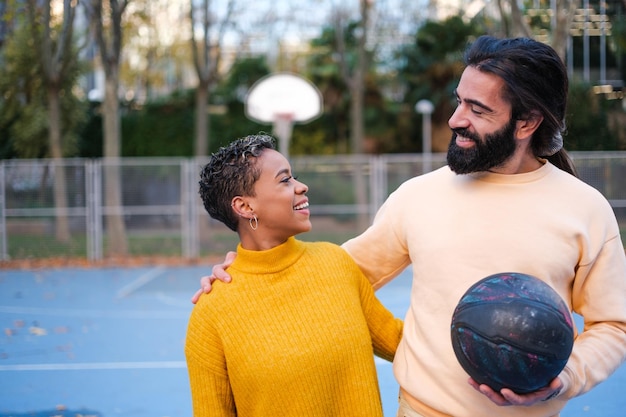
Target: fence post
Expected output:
[4,252]
[93,185]
[189,220]
[378,181]
[89,220]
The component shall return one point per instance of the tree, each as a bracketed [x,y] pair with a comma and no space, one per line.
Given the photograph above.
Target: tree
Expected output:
[229,95]
[53,43]
[105,18]
[431,68]
[4,23]
[206,60]
[353,63]
[560,25]
[22,105]
[24,120]
[353,74]
[325,75]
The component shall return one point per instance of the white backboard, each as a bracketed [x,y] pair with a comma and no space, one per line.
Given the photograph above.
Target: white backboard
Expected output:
[283,95]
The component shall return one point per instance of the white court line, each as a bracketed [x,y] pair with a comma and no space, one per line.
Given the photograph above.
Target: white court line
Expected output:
[84,313]
[94,366]
[139,282]
[111,366]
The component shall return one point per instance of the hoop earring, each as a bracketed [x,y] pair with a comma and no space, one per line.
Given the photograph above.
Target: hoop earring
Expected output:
[254,222]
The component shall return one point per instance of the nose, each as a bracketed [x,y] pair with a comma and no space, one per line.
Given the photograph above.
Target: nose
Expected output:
[458,119]
[301,188]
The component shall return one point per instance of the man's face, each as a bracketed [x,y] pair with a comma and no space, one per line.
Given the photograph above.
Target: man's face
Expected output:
[483,131]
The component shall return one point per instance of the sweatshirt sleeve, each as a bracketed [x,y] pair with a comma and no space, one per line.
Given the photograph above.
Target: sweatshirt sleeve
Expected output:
[381,251]
[599,296]
[211,393]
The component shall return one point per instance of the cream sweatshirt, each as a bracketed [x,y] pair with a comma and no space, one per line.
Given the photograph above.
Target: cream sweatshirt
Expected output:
[457,229]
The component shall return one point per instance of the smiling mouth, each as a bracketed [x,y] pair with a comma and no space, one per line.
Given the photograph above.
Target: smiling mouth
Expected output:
[464,141]
[301,206]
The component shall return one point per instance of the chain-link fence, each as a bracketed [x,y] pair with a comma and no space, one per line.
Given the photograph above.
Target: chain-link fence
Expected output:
[69,208]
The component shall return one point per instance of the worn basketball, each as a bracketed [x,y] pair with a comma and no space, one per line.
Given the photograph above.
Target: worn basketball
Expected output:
[512,330]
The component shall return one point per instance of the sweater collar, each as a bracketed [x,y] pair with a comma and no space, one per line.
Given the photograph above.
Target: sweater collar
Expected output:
[271,260]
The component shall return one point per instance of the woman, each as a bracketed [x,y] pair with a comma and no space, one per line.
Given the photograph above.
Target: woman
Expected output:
[295,332]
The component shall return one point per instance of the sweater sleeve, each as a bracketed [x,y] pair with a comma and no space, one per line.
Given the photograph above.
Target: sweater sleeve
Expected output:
[385,329]
[211,392]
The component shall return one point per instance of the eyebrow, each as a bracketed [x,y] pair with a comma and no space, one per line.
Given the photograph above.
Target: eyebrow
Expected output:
[474,102]
[281,172]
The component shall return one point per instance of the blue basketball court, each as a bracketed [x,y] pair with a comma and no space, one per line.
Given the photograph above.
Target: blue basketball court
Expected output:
[109,342]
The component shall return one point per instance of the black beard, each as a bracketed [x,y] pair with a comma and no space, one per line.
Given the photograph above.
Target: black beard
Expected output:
[493,151]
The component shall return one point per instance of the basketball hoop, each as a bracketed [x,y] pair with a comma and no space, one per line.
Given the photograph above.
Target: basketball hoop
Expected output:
[283,99]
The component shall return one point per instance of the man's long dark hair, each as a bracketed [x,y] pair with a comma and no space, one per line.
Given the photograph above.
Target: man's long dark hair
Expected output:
[535,80]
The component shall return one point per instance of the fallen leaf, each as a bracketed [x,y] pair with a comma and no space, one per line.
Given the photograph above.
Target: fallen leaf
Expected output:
[37,331]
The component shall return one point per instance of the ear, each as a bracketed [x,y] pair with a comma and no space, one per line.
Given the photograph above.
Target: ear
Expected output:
[240,206]
[528,125]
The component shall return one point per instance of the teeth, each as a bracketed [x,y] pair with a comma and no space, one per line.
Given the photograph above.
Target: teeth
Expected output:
[302,206]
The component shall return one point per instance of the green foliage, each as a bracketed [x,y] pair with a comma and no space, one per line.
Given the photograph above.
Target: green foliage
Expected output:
[23,97]
[311,139]
[165,127]
[587,125]
[230,95]
[617,43]
[233,124]
[242,75]
[432,66]
[330,133]
[23,106]
[30,131]
[26,246]
[161,128]
[429,68]
[90,142]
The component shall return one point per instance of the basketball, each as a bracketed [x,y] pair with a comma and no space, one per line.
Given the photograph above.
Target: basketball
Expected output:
[512,330]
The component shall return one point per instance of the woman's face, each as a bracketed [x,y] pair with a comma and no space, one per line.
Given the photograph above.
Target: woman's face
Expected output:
[280,203]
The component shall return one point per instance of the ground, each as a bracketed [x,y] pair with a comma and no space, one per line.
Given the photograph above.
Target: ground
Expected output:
[127,262]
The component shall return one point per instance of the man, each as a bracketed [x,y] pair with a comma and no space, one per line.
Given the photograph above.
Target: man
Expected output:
[508,201]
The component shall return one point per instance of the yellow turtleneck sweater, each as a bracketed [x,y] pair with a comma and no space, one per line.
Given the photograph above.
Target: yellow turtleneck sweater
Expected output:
[293,335]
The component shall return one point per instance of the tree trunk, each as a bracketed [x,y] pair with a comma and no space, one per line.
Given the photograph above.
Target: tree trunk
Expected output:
[62,228]
[519,26]
[565,10]
[201,145]
[356,136]
[357,99]
[504,20]
[116,230]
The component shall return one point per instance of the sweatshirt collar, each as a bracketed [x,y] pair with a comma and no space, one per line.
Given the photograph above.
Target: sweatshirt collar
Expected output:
[526,177]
